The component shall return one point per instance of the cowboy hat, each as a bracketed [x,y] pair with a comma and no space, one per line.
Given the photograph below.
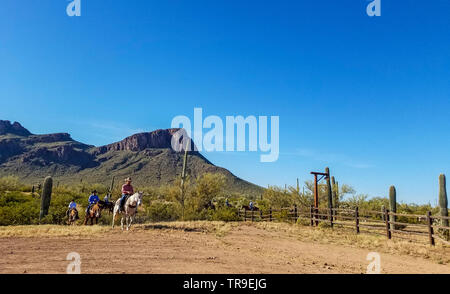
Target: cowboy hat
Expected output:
[128,179]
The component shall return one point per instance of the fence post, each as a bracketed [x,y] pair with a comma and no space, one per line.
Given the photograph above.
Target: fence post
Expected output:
[252,216]
[245,215]
[316,217]
[386,217]
[430,228]
[331,216]
[261,215]
[270,214]
[239,214]
[311,215]
[357,219]
[295,212]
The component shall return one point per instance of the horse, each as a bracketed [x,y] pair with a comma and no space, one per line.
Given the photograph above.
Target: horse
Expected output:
[93,214]
[107,205]
[210,205]
[246,207]
[72,217]
[129,209]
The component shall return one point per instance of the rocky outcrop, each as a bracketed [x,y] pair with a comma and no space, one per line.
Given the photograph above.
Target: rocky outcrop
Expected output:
[49,138]
[65,154]
[15,129]
[10,148]
[142,141]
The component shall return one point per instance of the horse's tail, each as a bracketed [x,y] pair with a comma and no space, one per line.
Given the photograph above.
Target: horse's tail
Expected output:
[115,210]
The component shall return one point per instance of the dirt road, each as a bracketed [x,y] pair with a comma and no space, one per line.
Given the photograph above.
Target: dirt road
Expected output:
[241,248]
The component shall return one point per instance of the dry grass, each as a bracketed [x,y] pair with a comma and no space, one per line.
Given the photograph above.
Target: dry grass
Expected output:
[51,231]
[337,236]
[220,229]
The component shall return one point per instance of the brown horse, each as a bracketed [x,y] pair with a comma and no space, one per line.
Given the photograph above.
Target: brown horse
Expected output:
[72,217]
[246,207]
[93,214]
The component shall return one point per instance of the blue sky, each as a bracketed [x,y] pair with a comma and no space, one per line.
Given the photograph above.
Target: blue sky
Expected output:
[368,97]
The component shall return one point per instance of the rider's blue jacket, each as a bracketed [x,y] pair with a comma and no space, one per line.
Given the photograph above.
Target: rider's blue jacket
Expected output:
[93,199]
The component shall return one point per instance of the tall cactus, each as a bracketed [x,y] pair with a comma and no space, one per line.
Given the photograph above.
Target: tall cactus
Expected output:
[334,192]
[392,205]
[46,196]
[183,177]
[329,190]
[338,195]
[111,187]
[443,203]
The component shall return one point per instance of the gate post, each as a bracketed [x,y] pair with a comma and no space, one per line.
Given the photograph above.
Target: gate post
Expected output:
[357,219]
[388,230]
[430,228]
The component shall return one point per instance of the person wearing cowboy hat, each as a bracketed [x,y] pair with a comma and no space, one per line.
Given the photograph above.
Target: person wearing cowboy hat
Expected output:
[127,190]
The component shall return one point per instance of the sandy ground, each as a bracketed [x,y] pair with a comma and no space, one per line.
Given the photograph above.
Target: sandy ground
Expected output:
[242,248]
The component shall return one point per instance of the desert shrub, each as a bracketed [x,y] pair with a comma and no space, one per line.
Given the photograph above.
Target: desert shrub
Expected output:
[208,187]
[303,221]
[162,211]
[324,225]
[227,214]
[9,183]
[278,198]
[17,208]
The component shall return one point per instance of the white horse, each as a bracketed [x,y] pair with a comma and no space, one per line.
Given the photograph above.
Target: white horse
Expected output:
[129,209]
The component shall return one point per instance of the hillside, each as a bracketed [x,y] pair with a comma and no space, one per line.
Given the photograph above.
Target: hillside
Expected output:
[147,157]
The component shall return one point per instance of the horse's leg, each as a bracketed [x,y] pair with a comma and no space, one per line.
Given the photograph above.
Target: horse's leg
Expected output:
[128,220]
[114,218]
[131,220]
[121,222]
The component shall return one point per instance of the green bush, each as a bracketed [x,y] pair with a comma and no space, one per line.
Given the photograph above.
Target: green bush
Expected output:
[227,214]
[162,211]
[303,221]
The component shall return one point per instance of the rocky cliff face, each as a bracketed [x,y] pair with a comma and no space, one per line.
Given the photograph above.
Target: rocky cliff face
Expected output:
[142,141]
[147,157]
[15,129]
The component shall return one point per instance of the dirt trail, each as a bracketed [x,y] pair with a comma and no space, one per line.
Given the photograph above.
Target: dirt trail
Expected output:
[242,249]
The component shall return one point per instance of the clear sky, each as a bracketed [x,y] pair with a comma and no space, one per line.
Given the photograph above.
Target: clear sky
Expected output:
[368,97]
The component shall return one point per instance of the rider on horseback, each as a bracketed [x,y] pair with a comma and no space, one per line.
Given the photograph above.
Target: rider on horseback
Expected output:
[72,206]
[127,190]
[93,199]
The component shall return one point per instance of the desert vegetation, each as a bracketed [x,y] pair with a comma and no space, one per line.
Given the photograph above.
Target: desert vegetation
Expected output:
[20,204]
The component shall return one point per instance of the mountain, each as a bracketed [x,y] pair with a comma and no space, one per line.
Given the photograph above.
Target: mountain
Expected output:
[147,157]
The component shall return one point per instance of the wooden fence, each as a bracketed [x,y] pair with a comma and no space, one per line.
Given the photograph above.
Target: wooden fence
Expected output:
[412,227]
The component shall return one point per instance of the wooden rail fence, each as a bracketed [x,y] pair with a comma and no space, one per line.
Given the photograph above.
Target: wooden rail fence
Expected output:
[416,228]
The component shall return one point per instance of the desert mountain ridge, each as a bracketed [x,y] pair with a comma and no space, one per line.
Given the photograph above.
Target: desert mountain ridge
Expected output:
[147,157]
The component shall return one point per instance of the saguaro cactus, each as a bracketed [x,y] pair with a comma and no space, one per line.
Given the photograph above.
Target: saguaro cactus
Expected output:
[334,192]
[443,203]
[46,196]
[392,205]
[111,187]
